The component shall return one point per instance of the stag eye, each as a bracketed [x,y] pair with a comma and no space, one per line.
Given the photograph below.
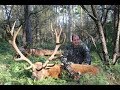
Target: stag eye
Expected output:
[38,69]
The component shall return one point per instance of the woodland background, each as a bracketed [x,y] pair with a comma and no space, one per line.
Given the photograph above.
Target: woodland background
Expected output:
[97,25]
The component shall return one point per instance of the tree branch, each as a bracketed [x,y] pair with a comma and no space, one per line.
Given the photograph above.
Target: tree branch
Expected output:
[93,17]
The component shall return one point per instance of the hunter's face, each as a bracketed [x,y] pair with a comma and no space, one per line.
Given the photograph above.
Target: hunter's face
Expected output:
[76,40]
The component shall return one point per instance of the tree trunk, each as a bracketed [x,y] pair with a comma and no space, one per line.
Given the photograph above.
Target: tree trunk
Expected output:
[116,53]
[101,32]
[102,36]
[28,30]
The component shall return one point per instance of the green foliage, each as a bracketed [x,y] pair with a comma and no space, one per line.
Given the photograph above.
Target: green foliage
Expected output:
[100,79]
[49,45]
[110,37]
[13,73]
[50,81]
[95,58]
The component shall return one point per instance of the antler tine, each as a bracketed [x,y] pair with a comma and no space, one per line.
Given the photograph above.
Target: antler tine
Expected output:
[45,64]
[63,35]
[54,30]
[22,57]
[57,35]
[60,30]
[58,44]
[13,28]
[51,27]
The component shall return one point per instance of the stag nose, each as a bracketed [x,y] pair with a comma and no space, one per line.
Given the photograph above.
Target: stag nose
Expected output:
[34,74]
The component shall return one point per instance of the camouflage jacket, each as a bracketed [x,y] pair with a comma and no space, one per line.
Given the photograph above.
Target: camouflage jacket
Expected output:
[76,55]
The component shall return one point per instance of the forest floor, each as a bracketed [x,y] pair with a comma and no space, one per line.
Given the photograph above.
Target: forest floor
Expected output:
[13,73]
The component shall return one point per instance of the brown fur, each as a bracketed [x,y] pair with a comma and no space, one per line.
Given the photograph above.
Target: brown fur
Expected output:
[82,69]
[56,70]
[39,52]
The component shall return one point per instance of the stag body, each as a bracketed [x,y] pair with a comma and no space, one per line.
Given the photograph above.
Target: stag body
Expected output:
[56,70]
[39,52]
[83,69]
[39,72]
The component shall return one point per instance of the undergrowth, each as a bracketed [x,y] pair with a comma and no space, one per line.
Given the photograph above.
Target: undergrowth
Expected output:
[13,73]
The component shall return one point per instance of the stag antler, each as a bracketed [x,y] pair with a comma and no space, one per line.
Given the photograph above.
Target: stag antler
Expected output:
[13,43]
[58,43]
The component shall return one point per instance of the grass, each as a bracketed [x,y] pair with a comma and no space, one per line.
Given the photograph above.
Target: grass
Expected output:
[13,73]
